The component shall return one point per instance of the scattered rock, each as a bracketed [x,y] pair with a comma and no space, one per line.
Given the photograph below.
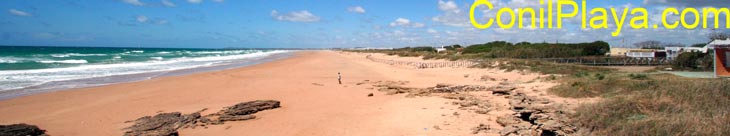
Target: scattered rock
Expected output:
[507,120]
[534,116]
[21,130]
[503,88]
[163,124]
[480,128]
[481,111]
[236,118]
[166,124]
[395,89]
[436,127]
[370,95]
[251,107]
[487,78]
[445,88]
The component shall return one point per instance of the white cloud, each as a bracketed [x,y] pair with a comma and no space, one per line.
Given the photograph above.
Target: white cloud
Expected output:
[400,22]
[431,30]
[399,33]
[418,25]
[356,9]
[448,6]
[133,2]
[19,13]
[295,16]
[195,1]
[404,22]
[452,15]
[148,20]
[142,19]
[168,3]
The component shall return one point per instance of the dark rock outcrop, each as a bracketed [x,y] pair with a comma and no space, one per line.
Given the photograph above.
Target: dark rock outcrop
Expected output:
[503,88]
[445,88]
[167,124]
[163,124]
[251,107]
[534,116]
[21,130]
[480,128]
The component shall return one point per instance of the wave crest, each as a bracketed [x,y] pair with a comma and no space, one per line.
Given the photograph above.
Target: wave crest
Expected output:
[64,61]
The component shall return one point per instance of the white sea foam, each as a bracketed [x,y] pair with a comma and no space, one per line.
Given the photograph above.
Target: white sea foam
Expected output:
[164,52]
[8,60]
[18,79]
[224,52]
[156,58]
[60,55]
[140,51]
[64,61]
[74,54]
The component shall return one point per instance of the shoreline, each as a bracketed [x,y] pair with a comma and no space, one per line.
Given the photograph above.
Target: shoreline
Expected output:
[55,86]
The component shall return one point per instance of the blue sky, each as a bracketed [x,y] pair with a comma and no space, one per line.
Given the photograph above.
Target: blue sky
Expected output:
[289,23]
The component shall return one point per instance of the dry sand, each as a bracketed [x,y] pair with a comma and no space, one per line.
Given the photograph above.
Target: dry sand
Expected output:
[306,84]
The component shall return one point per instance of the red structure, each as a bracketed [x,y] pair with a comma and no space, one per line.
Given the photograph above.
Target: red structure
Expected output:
[722,61]
[722,57]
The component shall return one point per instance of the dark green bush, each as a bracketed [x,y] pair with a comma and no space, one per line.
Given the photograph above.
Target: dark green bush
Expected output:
[693,61]
[501,49]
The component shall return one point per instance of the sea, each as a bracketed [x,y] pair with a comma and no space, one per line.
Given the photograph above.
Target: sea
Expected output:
[26,70]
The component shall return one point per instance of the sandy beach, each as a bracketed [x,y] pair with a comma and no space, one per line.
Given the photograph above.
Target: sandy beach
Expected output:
[312,102]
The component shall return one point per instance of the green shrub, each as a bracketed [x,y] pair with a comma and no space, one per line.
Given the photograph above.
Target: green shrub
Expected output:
[501,49]
[638,76]
[693,61]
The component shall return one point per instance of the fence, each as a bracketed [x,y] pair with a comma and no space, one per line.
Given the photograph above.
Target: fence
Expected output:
[580,61]
[424,65]
[612,61]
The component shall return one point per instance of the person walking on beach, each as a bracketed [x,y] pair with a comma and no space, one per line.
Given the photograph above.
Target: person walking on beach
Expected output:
[339,77]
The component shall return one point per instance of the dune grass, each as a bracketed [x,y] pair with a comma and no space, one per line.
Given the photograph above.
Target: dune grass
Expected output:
[632,104]
[660,105]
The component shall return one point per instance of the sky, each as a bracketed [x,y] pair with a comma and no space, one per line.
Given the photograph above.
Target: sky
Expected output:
[304,23]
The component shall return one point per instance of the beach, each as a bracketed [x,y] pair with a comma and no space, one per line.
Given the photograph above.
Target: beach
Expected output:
[312,101]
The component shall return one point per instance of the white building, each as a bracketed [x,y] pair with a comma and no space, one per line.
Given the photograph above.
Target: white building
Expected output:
[641,53]
[673,52]
[439,50]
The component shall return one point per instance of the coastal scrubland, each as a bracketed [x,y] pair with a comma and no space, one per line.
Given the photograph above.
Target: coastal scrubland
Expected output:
[631,103]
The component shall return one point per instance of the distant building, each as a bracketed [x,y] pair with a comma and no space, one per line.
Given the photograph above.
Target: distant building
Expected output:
[439,50]
[637,53]
[721,50]
[673,52]
[618,52]
[645,53]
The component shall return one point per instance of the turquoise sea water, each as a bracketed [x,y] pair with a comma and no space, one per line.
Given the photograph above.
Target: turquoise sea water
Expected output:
[23,67]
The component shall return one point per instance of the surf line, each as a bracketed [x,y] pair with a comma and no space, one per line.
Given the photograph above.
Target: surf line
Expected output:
[599,20]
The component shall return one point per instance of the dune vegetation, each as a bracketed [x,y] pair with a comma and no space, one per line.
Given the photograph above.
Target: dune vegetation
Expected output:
[632,103]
